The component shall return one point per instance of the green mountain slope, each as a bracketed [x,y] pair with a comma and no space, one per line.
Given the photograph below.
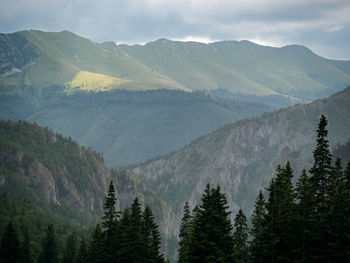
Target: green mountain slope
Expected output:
[129,127]
[242,156]
[56,58]
[47,178]
[244,68]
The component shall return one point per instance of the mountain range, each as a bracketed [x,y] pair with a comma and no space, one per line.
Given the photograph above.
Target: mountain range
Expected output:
[176,115]
[134,103]
[242,157]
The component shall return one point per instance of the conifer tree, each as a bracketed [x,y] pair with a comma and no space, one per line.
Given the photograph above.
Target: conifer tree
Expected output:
[10,250]
[279,216]
[26,249]
[124,237]
[111,215]
[96,251]
[321,172]
[240,237]
[82,254]
[152,237]
[211,237]
[258,245]
[304,219]
[339,214]
[109,225]
[49,252]
[184,235]
[70,250]
[133,247]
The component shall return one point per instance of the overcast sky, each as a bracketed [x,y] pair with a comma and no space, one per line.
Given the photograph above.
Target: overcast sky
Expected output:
[321,25]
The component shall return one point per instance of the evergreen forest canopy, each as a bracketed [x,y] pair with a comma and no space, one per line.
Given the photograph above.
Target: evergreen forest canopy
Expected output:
[308,222]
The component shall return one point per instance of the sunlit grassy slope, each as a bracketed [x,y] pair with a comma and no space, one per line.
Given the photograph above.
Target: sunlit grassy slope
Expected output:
[243,67]
[62,56]
[88,81]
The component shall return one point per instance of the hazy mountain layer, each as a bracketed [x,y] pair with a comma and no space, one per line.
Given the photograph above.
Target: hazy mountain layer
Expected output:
[130,127]
[242,156]
[244,68]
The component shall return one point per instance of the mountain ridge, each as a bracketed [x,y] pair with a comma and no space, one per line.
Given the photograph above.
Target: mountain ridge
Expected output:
[242,156]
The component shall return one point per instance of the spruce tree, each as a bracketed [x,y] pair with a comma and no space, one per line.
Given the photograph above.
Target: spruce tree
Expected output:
[70,250]
[49,252]
[240,237]
[133,246]
[152,237]
[109,225]
[211,237]
[26,248]
[184,235]
[82,254]
[339,214]
[320,179]
[96,251]
[280,207]
[258,246]
[10,248]
[124,250]
[304,219]
[111,215]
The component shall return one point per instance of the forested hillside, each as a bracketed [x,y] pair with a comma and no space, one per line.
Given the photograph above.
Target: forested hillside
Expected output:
[241,157]
[46,178]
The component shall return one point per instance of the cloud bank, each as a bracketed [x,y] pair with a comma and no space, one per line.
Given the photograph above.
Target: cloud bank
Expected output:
[322,25]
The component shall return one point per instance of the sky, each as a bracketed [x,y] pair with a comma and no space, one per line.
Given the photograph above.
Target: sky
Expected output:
[321,25]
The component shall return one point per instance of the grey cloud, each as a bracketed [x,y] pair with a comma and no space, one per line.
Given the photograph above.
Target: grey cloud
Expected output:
[306,22]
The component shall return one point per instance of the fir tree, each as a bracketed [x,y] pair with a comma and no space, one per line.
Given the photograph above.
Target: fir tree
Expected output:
[26,249]
[339,214]
[111,215]
[258,245]
[96,251]
[10,249]
[304,219]
[279,216]
[321,172]
[82,254]
[49,252]
[211,238]
[124,237]
[152,237]
[184,235]
[109,224]
[70,250]
[133,246]
[240,237]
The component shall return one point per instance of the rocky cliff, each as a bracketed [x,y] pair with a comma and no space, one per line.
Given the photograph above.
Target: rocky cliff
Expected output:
[242,157]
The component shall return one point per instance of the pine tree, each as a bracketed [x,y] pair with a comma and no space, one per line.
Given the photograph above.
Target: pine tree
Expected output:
[49,252]
[320,184]
[211,239]
[240,237]
[304,219]
[82,254]
[184,235]
[339,214]
[258,246]
[280,207]
[10,249]
[152,237]
[109,224]
[111,215]
[26,250]
[96,251]
[124,237]
[70,250]
[133,247]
